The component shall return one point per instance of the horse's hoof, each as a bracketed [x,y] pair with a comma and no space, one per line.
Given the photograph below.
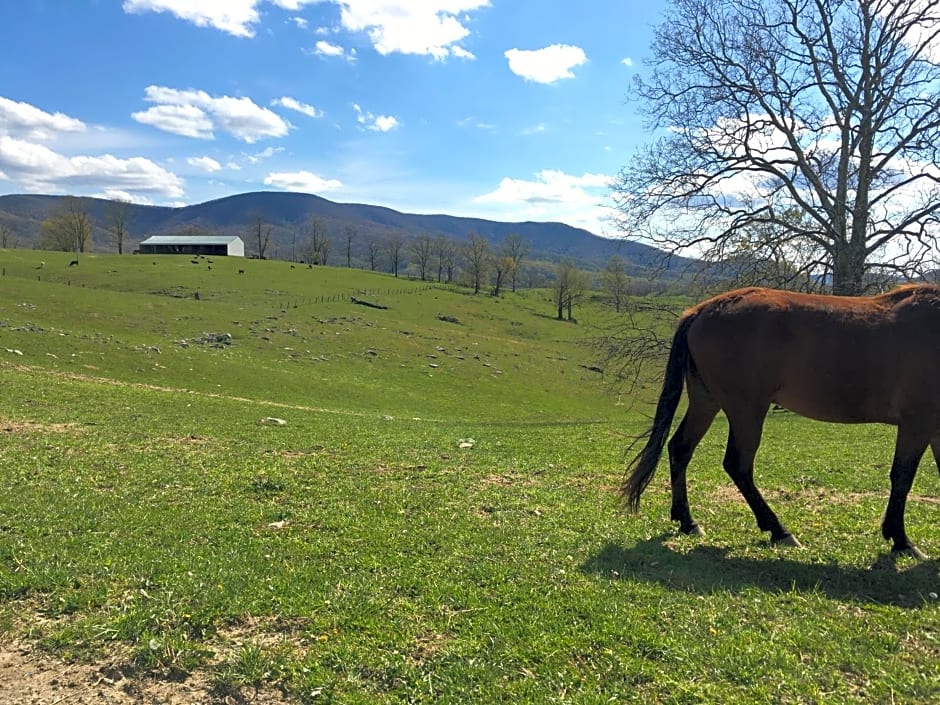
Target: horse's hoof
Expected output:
[911,551]
[788,540]
[694,530]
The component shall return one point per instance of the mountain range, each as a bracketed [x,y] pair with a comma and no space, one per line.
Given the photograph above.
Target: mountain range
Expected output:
[289,216]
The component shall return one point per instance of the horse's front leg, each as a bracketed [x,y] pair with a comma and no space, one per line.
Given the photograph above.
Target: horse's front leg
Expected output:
[909,449]
[744,433]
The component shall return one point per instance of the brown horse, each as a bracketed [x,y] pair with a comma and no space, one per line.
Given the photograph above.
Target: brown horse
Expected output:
[851,360]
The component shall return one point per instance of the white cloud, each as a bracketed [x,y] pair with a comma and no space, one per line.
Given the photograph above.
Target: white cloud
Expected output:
[303,181]
[40,169]
[194,113]
[324,48]
[471,121]
[536,129]
[25,120]
[552,195]
[547,65]
[266,153]
[235,17]
[423,27]
[376,123]
[384,123]
[292,104]
[205,163]
[119,195]
[186,120]
[627,61]
[294,5]
[462,53]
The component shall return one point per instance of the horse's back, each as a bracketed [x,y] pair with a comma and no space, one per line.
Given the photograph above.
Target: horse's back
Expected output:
[827,357]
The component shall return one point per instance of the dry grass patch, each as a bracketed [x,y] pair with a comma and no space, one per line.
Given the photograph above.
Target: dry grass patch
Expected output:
[30,677]
[15,427]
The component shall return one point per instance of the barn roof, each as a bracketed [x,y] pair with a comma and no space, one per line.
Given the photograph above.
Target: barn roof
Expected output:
[191,240]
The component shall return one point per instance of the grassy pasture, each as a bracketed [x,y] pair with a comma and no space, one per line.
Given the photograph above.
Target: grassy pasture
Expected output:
[358,554]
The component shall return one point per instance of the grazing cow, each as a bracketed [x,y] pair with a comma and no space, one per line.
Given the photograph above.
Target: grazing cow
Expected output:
[241,271]
[73,263]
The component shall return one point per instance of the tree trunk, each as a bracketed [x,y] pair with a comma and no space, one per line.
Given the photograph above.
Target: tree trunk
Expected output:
[848,271]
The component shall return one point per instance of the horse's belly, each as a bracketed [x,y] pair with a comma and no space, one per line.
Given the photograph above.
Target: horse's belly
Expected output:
[832,408]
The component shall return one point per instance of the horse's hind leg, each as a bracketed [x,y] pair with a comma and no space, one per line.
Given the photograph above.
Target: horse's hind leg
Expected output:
[935,447]
[908,451]
[744,436]
[698,418]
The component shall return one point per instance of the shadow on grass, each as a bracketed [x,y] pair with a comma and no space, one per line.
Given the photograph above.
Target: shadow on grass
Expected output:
[707,570]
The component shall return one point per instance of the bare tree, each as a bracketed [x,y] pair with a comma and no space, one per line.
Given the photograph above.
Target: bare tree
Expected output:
[517,249]
[445,255]
[317,244]
[325,249]
[395,245]
[757,256]
[615,281]
[373,254]
[118,215]
[501,266]
[350,233]
[561,287]
[7,236]
[638,341]
[421,248]
[476,253]
[568,288]
[262,236]
[766,106]
[68,228]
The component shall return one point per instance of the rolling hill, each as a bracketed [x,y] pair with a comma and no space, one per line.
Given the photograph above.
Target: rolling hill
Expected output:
[289,215]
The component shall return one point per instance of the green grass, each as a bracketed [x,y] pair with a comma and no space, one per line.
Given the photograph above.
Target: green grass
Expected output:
[358,554]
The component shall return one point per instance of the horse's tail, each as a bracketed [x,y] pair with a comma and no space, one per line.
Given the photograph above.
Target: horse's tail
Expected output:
[640,471]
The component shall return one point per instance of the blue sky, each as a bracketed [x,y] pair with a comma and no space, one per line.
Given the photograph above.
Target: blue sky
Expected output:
[502,109]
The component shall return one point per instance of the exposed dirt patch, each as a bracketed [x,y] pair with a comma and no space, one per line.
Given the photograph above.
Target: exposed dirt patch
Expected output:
[30,677]
[269,633]
[395,469]
[427,646]
[508,480]
[190,440]
[7,426]
[315,450]
[729,494]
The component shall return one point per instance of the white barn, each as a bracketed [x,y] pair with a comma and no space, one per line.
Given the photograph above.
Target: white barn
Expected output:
[216,245]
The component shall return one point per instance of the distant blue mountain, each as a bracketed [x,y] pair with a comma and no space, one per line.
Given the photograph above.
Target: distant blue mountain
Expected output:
[289,215]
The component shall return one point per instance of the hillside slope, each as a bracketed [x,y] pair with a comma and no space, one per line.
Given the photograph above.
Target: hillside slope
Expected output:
[289,214]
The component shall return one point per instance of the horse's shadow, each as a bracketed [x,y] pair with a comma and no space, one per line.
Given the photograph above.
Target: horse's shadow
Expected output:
[708,570]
